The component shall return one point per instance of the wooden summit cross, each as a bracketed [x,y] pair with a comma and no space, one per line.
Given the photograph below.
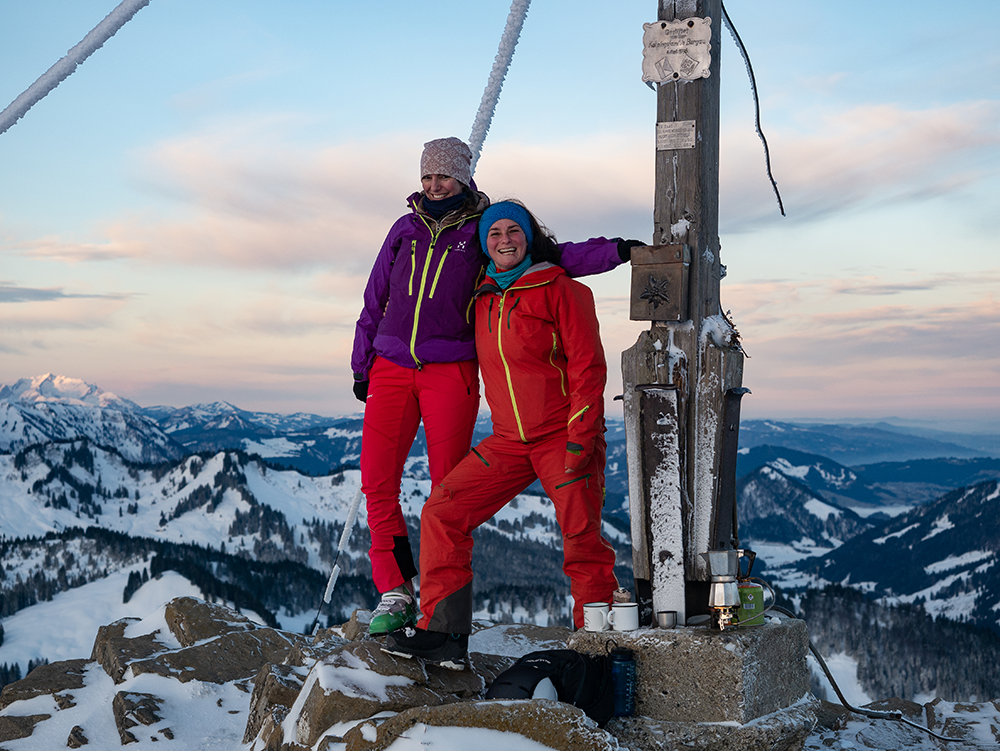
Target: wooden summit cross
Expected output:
[683,377]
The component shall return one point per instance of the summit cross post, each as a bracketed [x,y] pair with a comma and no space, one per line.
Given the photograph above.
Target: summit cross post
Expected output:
[683,377]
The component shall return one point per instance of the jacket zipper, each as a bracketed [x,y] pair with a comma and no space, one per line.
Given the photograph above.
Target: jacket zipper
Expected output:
[423,280]
[413,263]
[511,310]
[552,361]
[437,274]
[585,478]
[506,368]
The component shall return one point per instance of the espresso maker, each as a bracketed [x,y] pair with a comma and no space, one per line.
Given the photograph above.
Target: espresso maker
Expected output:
[723,593]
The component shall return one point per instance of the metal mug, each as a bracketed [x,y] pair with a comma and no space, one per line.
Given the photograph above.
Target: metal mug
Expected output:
[666,618]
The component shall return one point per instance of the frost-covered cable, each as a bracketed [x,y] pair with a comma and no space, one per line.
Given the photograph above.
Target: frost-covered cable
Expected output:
[65,66]
[756,103]
[501,64]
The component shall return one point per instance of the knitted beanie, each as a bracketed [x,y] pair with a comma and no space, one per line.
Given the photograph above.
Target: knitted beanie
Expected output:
[447,156]
[505,210]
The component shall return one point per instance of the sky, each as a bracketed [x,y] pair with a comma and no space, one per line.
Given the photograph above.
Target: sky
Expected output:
[192,215]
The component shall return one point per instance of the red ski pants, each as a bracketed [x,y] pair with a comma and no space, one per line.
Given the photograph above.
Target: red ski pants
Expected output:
[482,484]
[446,397]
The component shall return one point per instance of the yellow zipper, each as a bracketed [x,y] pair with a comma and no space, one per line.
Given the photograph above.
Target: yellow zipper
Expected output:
[506,368]
[423,278]
[413,264]
[420,302]
[437,274]
[552,361]
[578,414]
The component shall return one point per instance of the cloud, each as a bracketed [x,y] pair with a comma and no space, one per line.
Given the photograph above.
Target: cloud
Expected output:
[928,348]
[866,155]
[247,195]
[54,248]
[12,293]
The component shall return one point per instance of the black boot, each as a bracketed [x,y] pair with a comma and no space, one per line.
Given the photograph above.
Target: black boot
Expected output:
[450,651]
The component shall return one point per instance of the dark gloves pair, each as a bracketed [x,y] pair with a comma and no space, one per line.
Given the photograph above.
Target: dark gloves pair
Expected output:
[361,390]
[625,248]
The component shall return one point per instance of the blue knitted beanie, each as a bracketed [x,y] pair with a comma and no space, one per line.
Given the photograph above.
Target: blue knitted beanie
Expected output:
[505,210]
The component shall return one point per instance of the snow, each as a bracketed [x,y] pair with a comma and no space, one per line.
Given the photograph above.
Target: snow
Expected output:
[824,511]
[940,525]
[786,468]
[865,511]
[200,715]
[423,737]
[213,716]
[357,680]
[65,390]
[844,669]
[955,561]
[508,641]
[900,533]
[65,627]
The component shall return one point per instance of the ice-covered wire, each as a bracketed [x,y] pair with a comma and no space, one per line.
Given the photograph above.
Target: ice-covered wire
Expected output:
[756,102]
[66,65]
[501,64]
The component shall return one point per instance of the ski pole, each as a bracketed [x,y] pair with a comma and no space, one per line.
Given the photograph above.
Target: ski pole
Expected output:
[352,515]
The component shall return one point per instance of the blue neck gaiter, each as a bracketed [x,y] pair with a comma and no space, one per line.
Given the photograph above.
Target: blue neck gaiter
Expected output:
[507,278]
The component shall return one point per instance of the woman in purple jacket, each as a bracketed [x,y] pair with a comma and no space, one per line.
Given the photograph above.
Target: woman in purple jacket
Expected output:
[415,355]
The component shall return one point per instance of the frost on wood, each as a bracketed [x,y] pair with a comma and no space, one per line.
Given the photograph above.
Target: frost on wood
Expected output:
[665,519]
[66,65]
[511,33]
[719,332]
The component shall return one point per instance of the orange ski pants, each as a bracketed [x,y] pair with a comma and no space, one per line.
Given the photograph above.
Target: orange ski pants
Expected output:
[482,484]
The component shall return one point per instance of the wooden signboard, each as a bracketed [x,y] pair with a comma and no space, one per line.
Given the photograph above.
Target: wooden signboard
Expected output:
[660,283]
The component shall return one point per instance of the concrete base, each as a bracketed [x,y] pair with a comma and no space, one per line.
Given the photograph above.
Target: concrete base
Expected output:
[697,674]
[785,730]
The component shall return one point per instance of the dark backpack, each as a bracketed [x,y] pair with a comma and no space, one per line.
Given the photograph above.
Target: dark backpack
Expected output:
[581,680]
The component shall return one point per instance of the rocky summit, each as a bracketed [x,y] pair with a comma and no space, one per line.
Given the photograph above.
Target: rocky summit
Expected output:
[196,675]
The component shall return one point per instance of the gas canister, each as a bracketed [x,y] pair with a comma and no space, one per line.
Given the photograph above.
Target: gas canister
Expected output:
[751,612]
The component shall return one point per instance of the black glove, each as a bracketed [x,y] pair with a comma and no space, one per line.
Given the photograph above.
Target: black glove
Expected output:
[625,248]
[361,390]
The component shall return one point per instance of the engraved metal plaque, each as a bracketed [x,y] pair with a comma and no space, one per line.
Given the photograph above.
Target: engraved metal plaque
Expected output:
[676,50]
[675,135]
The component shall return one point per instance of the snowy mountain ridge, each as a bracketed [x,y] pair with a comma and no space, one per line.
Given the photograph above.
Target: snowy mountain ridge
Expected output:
[64,390]
[56,408]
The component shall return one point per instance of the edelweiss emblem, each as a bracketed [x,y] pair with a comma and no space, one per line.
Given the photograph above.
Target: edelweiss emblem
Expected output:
[656,292]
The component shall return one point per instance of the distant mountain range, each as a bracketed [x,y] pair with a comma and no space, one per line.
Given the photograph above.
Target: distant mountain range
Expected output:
[208,490]
[867,444]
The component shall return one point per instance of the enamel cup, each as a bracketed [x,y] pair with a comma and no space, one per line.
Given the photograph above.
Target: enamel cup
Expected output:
[624,616]
[595,616]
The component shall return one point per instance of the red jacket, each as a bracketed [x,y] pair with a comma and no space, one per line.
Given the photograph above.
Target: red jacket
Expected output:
[541,357]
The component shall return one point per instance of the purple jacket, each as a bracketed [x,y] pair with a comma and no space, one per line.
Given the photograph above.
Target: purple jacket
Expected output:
[418,304]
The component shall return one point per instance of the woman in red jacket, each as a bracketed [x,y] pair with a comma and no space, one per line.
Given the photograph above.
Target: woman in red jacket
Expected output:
[543,366]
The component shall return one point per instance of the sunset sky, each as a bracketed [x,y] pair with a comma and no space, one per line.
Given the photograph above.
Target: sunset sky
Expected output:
[192,215]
